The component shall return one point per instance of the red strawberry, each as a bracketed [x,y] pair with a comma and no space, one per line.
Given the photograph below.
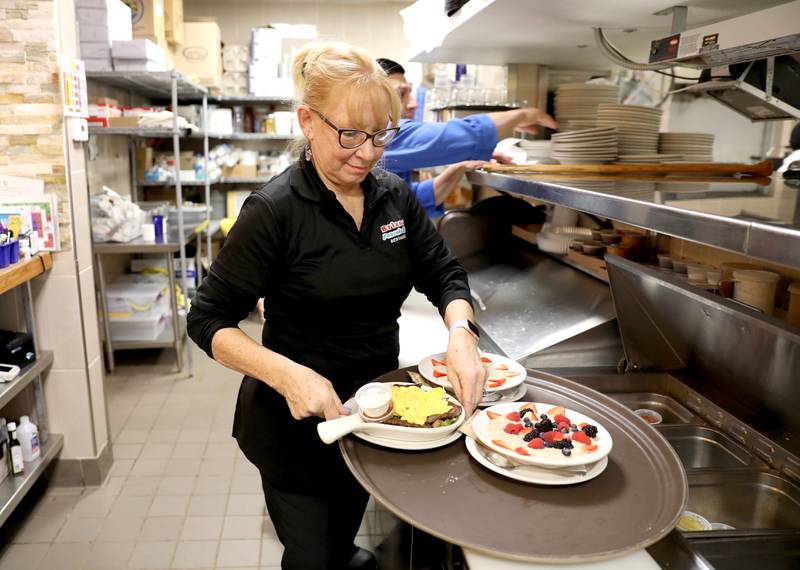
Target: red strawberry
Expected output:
[522,451]
[551,436]
[494,384]
[513,416]
[485,360]
[513,428]
[592,447]
[561,418]
[563,425]
[438,362]
[500,443]
[581,437]
[536,443]
[492,415]
[580,425]
[437,374]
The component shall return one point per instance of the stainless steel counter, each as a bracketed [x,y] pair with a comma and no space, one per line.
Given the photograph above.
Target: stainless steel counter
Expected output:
[737,215]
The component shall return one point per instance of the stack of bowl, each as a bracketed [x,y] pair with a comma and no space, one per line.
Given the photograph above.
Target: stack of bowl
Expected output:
[576,104]
[637,127]
[695,147]
[588,146]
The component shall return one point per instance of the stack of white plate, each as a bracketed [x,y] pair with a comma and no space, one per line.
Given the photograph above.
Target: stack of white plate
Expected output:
[536,150]
[579,101]
[695,147]
[637,126]
[648,158]
[588,146]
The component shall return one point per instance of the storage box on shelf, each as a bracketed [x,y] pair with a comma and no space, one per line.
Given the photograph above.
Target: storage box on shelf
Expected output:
[14,487]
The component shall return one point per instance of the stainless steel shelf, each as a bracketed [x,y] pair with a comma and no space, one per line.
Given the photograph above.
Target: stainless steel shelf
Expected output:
[252,99]
[256,180]
[164,340]
[14,489]
[152,84]
[138,245]
[250,137]
[778,242]
[170,183]
[141,133]
[27,375]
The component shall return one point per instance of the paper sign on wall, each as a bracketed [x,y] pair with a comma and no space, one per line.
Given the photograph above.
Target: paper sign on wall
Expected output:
[73,82]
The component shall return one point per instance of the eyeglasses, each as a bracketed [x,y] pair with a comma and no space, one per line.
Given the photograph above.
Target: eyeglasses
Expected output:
[353,138]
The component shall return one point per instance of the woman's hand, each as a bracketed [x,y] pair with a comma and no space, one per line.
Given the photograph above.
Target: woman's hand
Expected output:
[465,369]
[309,394]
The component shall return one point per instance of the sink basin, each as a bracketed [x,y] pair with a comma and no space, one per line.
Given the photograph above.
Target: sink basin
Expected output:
[744,499]
[746,553]
[671,411]
[702,448]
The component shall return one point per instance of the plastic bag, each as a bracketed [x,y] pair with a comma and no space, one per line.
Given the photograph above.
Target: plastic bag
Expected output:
[115,218]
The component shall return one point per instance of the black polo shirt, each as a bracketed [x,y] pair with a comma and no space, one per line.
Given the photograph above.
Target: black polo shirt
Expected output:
[332,294]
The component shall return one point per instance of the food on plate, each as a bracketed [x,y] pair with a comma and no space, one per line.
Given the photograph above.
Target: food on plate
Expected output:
[498,373]
[526,431]
[415,407]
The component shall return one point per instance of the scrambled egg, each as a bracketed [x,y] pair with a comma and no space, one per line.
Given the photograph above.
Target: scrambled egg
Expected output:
[414,405]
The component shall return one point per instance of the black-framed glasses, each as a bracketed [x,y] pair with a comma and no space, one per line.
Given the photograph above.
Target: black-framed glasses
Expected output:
[353,138]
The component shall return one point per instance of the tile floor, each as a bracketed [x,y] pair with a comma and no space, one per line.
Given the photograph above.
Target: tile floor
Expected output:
[180,494]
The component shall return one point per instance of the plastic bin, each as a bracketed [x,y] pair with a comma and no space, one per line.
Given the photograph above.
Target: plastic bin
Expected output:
[139,327]
[135,298]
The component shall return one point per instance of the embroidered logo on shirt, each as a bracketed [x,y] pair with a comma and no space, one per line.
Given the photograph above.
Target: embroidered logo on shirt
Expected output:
[394,231]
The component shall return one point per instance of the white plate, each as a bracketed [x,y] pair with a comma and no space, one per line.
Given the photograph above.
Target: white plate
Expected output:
[426,368]
[408,445]
[535,475]
[511,396]
[544,457]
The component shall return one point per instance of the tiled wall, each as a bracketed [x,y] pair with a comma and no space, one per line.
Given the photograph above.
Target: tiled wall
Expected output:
[376,26]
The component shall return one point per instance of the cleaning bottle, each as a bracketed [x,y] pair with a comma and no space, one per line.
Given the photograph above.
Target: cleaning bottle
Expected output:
[28,435]
[17,466]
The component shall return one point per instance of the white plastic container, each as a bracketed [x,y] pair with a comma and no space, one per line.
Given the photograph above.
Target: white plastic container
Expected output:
[146,326]
[28,435]
[756,288]
[696,272]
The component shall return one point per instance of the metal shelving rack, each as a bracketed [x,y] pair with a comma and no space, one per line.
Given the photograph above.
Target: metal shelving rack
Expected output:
[160,86]
[14,488]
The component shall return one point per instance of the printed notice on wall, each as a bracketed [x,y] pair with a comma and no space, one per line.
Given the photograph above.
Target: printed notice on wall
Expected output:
[73,81]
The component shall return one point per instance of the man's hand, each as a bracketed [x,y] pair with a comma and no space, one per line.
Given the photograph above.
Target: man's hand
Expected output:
[309,394]
[502,158]
[465,371]
[530,119]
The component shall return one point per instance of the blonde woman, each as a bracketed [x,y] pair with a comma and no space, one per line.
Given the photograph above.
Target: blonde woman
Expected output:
[334,246]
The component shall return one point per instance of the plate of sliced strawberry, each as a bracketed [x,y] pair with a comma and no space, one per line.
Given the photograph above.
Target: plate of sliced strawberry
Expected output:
[542,434]
[502,373]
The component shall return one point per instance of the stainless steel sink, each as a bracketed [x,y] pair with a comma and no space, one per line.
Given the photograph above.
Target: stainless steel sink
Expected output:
[671,411]
[702,448]
[746,553]
[744,499]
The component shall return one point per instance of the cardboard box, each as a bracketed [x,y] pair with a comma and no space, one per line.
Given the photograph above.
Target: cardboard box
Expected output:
[145,159]
[240,171]
[123,122]
[140,49]
[200,56]
[148,22]
[265,43]
[114,15]
[173,16]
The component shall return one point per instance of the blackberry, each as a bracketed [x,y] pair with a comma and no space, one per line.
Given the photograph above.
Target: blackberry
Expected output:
[566,451]
[523,412]
[529,436]
[563,444]
[544,425]
[590,430]
[535,432]
[543,417]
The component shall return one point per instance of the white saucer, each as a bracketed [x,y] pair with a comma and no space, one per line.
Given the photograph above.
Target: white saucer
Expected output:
[535,475]
[512,396]
[408,445]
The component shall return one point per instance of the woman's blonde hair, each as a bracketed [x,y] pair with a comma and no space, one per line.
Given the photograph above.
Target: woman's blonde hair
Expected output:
[324,71]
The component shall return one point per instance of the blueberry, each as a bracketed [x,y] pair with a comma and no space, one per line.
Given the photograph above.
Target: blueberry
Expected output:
[565,431]
[543,417]
[528,423]
[566,451]
[573,429]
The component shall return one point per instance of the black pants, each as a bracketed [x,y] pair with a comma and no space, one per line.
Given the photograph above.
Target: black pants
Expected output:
[317,532]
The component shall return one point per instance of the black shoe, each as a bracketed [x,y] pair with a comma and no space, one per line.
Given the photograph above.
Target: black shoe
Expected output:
[362,560]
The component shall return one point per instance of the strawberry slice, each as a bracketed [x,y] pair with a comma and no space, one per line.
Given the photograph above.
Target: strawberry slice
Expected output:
[500,367]
[492,415]
[522,451]
[486,360]
[552,436]
[496,384]
[498,381]
[513,429]
[500,443]
[438,362]
[437,374]
[536,443]
[582,424]
[589,448]
[512,374]
[581,437]
[556,411]
[561,418]
[563,425]
[513,416]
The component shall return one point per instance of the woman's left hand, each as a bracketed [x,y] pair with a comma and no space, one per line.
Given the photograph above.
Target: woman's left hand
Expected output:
[465,369]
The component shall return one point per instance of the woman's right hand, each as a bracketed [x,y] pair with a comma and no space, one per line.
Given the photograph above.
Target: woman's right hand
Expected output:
[310,394]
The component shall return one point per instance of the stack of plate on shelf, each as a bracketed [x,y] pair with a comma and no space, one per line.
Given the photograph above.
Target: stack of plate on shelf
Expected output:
[695,147]
[637,127]
[648,158]
[537,151]
[588,146]
[578,102]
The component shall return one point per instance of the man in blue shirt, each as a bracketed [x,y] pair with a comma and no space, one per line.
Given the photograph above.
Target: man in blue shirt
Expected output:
[467,142]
